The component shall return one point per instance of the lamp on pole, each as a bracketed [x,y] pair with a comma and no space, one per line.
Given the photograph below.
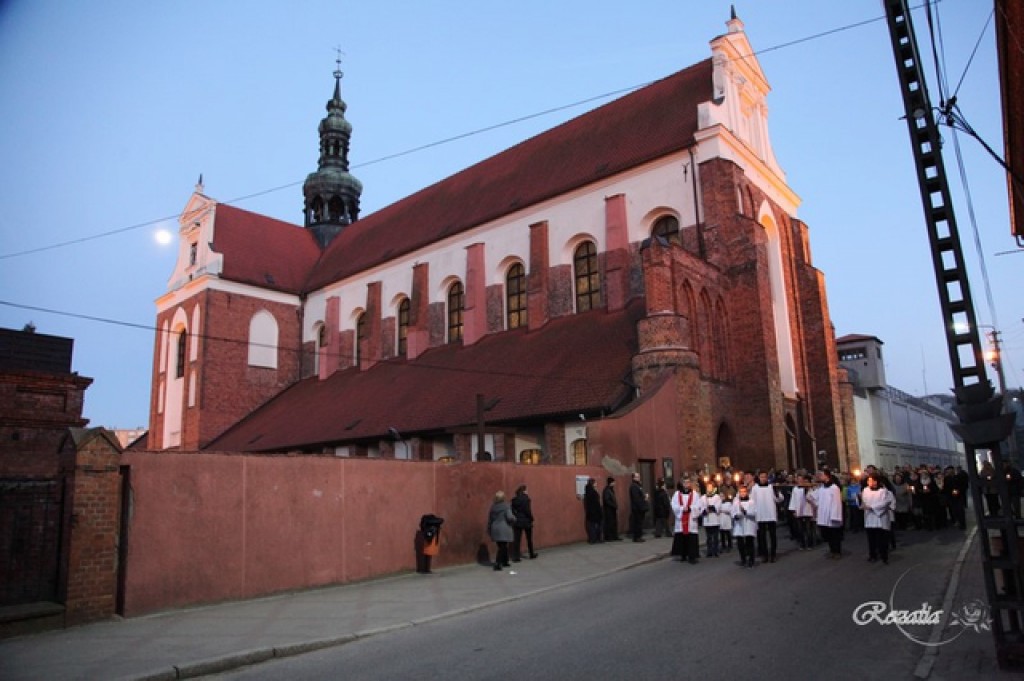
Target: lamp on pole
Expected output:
[397,437]
[994,356]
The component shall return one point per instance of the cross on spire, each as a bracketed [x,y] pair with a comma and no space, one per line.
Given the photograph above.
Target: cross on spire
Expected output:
[337,71]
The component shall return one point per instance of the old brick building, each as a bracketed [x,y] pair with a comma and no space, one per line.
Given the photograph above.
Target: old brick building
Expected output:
[632,288]
[60,491]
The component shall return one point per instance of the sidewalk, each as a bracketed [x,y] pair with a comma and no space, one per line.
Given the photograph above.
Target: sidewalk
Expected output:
[188,643]
[205,640]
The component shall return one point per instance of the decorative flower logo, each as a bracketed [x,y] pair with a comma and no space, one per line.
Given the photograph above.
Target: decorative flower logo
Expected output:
[973,615]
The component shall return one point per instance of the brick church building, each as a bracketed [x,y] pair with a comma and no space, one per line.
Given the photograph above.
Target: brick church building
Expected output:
[631,289]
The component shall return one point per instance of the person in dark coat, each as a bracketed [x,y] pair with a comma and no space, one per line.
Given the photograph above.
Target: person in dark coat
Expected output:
[662,510]
[592,512]
[611,511]
[638,507]
[523,512]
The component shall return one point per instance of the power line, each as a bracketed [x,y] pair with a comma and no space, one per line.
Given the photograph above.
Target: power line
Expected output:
[343,357]
[429,145]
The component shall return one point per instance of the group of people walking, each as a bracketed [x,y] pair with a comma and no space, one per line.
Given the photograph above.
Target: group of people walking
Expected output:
[746,510]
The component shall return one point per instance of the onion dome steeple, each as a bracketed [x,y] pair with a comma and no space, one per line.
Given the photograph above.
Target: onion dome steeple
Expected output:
[331,194]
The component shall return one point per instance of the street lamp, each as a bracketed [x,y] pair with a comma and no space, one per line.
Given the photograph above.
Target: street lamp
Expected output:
[993,356]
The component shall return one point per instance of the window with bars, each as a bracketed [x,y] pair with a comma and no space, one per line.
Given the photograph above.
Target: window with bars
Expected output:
[588,281]
[667,227]
[515,297]
[579,452]
[179,370]
[456,307]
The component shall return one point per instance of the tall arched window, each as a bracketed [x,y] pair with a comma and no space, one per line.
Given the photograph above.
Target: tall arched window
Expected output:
[456,306]
[263,340]
[515,296]
[179,367]
[720,332]
[360,338]
[588,280]
[321,343]
[403,326]
[667,227]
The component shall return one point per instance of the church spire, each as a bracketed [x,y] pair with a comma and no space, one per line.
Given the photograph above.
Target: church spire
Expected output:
[331,194]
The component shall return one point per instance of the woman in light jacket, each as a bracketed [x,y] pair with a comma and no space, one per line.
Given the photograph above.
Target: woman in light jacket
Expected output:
[499,527]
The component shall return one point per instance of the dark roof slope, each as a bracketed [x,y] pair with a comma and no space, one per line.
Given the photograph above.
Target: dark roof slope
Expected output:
[572,364]
[857,338]
[647,124]
[262,251]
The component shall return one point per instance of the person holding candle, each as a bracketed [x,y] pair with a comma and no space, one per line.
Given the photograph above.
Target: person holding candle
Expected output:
[712,502]
[878,503]
[744,526]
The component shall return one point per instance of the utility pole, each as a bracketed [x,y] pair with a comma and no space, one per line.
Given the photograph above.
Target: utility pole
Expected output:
[996,358]
[983,426]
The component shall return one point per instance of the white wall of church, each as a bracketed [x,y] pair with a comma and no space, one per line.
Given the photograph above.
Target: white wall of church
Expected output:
[662,185]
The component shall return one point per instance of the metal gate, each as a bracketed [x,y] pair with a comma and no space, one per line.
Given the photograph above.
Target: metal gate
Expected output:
[30,539]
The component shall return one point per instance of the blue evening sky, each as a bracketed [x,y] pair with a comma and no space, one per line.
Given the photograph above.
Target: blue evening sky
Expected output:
[111,109]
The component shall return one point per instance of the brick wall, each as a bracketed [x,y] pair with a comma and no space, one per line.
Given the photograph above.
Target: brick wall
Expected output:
[94,530]
[228,388]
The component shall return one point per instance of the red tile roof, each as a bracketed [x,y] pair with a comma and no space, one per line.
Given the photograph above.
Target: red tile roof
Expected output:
[573,364]
[647,124]
[263,251]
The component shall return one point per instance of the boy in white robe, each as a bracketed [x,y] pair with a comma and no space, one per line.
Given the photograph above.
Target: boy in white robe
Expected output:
[712,502]
[765,498]
[877,502]
[829,503]
[802,511]
[725,522]
[744,526]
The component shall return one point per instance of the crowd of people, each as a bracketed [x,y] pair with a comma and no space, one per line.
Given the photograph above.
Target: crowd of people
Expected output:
[745,510]
[825,507]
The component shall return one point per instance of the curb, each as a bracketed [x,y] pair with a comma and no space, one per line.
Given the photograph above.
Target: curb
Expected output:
[232,661]
[927,661]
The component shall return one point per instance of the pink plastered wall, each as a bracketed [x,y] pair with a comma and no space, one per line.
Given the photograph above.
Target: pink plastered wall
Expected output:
[208,527]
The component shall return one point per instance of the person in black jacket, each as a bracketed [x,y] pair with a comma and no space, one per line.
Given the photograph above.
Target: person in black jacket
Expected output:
[662,510]
[592,512]
[638,506]
[523,512]
[611,511]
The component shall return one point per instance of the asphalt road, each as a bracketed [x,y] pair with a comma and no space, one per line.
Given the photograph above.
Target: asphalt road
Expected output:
[788,620]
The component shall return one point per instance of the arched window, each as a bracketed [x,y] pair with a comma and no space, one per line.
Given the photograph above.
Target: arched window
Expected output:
[515,296]
[705,346]
[720,332]
[263,340]
[321,343]
[179,370]
[667,227]
[579,452]
[360,338]
[456,306]
[588,280]
[403,326]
